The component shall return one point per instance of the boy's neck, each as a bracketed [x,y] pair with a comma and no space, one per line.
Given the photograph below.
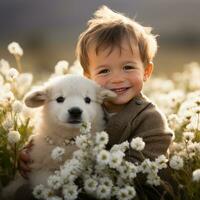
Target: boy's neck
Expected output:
[113,108]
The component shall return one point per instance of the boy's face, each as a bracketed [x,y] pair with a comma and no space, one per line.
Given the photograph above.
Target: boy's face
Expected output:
[123,73]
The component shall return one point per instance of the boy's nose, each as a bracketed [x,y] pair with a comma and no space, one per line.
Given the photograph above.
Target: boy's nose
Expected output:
[117,78]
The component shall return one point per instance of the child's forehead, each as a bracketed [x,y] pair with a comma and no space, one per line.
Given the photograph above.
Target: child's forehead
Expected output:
[125,44]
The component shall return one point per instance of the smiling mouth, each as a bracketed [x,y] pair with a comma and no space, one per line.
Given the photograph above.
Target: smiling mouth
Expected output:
[120,90]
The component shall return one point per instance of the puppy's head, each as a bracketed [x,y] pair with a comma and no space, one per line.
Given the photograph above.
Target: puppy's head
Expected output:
[69,100]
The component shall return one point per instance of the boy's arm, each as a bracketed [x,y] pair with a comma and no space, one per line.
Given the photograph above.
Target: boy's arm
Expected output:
[153,129]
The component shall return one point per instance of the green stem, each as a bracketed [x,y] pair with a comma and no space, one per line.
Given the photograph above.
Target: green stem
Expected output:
[15,159]
[19,65]
[198,122]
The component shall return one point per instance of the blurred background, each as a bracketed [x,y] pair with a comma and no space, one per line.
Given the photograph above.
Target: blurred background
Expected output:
[47,30]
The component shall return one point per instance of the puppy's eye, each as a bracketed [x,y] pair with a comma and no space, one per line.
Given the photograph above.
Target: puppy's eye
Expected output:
[87,100]
[60,99]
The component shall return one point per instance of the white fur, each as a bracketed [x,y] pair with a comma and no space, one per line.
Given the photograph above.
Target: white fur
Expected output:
[54,121]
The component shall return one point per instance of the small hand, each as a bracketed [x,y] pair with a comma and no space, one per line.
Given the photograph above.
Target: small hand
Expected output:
[25,160]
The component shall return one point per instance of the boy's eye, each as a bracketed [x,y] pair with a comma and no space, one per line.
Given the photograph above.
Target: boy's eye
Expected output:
[60,99]
[128,67]
[87,100]
[103,71]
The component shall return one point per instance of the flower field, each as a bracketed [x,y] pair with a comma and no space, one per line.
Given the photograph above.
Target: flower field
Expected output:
[94,170]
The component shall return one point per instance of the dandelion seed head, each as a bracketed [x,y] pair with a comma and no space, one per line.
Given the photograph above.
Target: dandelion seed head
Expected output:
[13,137]
[17,106]
[4,66]
[12,74]
[8,124]
[15,49]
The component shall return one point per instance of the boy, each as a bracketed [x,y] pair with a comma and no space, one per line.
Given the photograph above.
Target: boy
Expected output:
[117,53]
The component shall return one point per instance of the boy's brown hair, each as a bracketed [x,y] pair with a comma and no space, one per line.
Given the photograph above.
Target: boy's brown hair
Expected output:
[107,29]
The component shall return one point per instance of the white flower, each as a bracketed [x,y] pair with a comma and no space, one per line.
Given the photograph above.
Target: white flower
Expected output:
[9,97]
[124,171]
[188,136]
[196,175]
[17,106]
[126,193]
[106,181]
[120,147]
[13,137]
[116,159]
[15,49]
[61,67]
[82,141]
[57,153]
[38,191]
[194,122]
[12,74]
[47,193]
[79,154]
[103,192]
[137,144]
[176,162]
[54,198]
[4,66]
[161,161]
[149,167]
[133,169]
[23,82]
[85,127]
[27,112]
[145,166]
[153,179]
[103,157]
[8,124]
[101,138]
[70,192]
[1,80]
[90,185]
[54,182]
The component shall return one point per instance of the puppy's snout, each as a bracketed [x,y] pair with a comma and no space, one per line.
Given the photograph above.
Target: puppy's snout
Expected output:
[75,112]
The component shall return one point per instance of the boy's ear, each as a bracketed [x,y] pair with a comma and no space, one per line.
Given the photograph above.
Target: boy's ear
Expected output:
[105,94]
[148,70]
[36,98]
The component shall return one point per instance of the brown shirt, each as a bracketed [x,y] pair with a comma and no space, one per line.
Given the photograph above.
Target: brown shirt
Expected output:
[140,118]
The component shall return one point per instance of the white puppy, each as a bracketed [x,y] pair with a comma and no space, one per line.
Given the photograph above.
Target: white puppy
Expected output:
[66,102]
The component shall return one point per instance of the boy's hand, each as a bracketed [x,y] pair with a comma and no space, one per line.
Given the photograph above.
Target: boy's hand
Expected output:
[25,160]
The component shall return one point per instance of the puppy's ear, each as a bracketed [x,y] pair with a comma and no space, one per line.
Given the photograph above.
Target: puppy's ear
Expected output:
[35,98]
[105,94]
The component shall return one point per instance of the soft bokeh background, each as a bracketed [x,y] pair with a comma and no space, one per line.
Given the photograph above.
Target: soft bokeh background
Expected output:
[48,30]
